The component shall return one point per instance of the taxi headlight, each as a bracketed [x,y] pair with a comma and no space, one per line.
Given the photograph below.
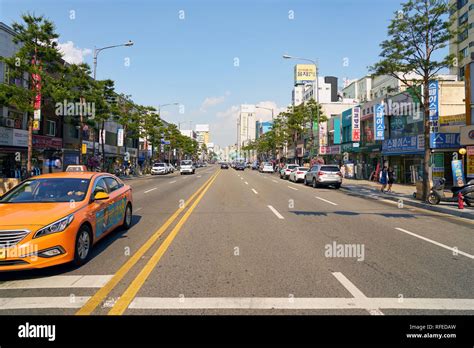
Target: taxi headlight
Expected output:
[57,226]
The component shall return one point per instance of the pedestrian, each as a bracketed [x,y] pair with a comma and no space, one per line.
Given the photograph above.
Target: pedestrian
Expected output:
[343,170]
[391,178]
[383,178]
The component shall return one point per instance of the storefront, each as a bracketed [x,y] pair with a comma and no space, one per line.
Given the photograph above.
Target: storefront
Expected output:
[443,145]
[13,152]
[47,154]
[405,156]
[331,154]
[467,141]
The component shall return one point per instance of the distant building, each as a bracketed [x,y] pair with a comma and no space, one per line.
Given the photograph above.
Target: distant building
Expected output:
[462,46]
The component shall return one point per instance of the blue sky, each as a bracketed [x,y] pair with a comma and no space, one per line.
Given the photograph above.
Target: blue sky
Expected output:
[191,60]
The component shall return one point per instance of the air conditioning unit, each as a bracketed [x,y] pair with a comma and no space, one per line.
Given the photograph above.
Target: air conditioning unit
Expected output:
[9,122]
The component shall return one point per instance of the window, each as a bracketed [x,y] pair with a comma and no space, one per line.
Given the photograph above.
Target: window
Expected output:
[464,52]
[463,35]
[461,3]
[112,184]
[100,186]
[51,128]
[463,18]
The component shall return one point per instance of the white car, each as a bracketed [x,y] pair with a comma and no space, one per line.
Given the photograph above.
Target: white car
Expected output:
[159,168]
[286,170]
[186,167]
[297,174]
[266,168]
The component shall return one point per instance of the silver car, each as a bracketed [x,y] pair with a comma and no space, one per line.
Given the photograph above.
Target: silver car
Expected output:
[323,175]
[286,170]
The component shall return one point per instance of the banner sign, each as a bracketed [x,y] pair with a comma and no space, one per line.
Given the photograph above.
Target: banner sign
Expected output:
[323,134]
[445,140]
[356,124]
[433,106]
[120,137]
[411,144]
[452,120]
[379,124]
[470,162]
[458,175]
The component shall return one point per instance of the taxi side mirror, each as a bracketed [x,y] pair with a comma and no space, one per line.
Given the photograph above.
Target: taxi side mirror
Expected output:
[99,196]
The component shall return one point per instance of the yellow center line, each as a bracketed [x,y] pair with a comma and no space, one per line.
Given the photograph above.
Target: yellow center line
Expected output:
[124,301]
[100,295]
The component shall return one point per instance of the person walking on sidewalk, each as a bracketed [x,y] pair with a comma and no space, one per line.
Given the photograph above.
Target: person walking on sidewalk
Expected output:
[391,178]
[383,178]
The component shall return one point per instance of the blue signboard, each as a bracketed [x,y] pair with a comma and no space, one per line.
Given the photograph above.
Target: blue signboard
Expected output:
[445,140]
[458,174]
[337,130]
[379,123]
[165,142]
[433,100]
[404,145]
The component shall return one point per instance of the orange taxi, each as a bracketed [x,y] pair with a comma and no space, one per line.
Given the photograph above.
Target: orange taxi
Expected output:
[57,218]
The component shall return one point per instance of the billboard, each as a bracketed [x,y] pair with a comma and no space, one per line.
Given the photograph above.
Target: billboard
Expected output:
[304,73]
[379,123]
[433,106]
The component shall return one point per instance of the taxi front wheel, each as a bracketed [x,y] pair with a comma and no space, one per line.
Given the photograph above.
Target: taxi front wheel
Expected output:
[127,219]
[83,245]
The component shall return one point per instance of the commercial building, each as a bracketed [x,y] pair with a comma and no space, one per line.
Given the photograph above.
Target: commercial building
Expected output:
[246,132]
[462,46]
[202,134]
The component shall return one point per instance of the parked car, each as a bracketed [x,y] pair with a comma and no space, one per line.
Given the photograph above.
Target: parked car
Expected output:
[255,166]
[224,166]
[159,168]
[76,168]
[186,167]
[286,170]
[266,167]
[298,174]
[171,168]
[323,175]
[37,218]
[240,166]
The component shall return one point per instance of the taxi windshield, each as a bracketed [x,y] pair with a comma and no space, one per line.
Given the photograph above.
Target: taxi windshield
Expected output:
[48,190]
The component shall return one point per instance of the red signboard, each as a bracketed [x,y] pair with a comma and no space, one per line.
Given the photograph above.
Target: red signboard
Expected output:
[44,142]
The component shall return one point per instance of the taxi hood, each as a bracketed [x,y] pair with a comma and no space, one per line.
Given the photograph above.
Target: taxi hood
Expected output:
[34,214]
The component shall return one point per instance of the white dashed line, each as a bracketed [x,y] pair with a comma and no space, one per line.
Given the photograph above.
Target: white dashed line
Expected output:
[454,250]
[254,191]
[246,183]
[138,209]
[153,189]
[275,212]
[172,182]
[276,182]
[293,188]
[325,200]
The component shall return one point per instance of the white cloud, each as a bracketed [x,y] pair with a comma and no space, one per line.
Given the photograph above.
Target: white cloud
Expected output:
[213,101]
[266,115]
[71,54]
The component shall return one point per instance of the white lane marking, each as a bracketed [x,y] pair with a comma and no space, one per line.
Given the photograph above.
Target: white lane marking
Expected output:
[293,188]
[299,303]
[241,178]
[275,181]
[325,200]
[246,183]
[172,182]
[61,281]
[275,212]
[42,302]
[359,295]
[255,191]
[153,189]
[199,176]
[436,243]
[138,209]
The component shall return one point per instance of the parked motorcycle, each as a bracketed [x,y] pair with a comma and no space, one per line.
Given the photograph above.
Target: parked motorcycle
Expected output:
[438,195]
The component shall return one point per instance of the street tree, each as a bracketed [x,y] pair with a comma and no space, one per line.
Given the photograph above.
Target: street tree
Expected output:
[33,72]
[416,35]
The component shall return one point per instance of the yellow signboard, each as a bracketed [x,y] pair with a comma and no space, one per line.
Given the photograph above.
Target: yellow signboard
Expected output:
[84,149]
[452,120]
[470,162]
[36,125]
[305,73]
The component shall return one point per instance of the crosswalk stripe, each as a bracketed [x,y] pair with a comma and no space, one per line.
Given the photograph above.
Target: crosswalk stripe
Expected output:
[42,302]
[61,281]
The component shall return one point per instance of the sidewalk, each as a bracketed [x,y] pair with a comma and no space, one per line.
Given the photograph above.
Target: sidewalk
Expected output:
[405,194]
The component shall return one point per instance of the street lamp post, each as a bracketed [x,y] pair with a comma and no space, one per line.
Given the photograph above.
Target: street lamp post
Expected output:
[273,126]
[315,92]
[96,53]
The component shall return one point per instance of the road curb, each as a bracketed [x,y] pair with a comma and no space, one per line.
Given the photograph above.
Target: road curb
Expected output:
[406,201]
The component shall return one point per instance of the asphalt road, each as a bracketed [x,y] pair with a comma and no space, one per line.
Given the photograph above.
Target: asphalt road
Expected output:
[251,243]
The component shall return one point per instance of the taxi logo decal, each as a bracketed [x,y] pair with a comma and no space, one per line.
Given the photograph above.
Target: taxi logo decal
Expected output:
[110,216]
